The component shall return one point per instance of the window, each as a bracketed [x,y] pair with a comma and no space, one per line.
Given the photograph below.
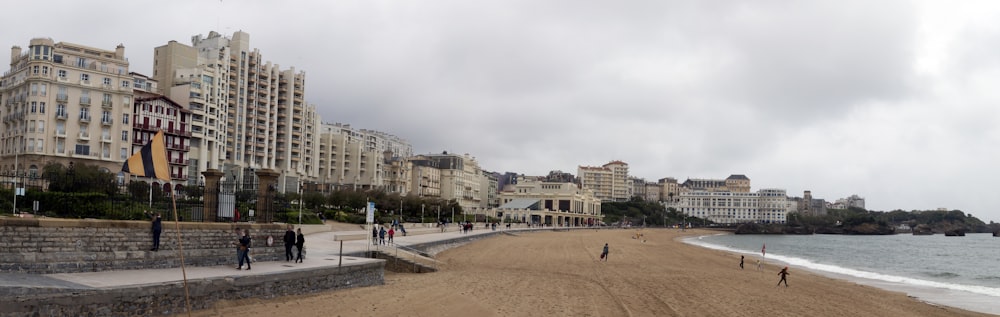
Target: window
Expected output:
[82,149]
[105,134]
[60,110]
[40,146]
[125,84]
[41,126]
[61,73]
[106,151]
[60,128]
[31,126]
[41,107]
[84,113]
[124,118]
[43,88]
[125,136]
[81,62]
[60,146]
[107,81]
[85,77]
[34,107]
[45,70]
[124,154]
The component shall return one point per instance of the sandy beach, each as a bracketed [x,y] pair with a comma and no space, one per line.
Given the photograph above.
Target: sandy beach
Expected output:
[560,274]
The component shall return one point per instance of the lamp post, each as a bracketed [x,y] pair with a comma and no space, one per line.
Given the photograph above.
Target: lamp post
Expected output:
[421,215]
[301,191]
[16,152]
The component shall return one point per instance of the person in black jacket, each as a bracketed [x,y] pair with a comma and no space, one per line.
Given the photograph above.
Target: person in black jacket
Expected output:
[245,248]
[157,229]
[289,242]
[300,243]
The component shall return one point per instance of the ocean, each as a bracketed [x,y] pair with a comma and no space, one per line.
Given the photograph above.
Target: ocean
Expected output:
[962,272]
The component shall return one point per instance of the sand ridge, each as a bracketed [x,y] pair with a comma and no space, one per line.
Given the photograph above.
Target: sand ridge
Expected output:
[559,273]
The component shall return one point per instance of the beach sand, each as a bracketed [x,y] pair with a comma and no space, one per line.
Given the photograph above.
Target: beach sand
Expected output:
[559,274]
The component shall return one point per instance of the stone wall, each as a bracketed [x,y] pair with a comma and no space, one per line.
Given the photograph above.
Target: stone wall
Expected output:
[40,245]
[168,299]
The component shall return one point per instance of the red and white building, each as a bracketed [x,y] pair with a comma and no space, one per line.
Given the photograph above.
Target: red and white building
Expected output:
[154,112]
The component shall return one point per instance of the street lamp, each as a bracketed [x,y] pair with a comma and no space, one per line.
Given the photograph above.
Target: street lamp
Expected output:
[421,215]
[301,191]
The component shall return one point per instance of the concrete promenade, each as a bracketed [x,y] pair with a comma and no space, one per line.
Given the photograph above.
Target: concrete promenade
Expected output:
[323,251]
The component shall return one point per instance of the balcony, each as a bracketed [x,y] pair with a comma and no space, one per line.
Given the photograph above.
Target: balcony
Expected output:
[62,97]
[84,101]
[107,121]
[61,115]
[179,147]
[106,103]
[179,161]
[84,135]
[84,118]
[61,133]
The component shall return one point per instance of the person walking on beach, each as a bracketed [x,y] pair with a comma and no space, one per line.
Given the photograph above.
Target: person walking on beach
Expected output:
[758,264]
[300,243]
[783,273]
[157,229]
[289,242]
[245,248]
[604,253]
[741,262]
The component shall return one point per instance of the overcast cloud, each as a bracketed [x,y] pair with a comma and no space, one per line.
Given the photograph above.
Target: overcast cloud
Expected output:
[895,101]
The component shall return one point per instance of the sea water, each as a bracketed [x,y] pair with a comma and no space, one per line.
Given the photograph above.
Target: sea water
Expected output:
[962,272]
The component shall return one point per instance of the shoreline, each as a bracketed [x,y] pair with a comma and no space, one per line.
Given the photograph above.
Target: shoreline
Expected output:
[559,273]
[931,295]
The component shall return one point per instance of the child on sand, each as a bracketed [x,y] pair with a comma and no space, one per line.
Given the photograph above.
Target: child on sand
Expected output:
[604,253]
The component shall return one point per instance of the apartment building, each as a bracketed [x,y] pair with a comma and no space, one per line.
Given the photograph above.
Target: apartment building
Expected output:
[669,189]
[461,179]
[609,181]
[268,124]
[63,103]
[361,158]
[152,113]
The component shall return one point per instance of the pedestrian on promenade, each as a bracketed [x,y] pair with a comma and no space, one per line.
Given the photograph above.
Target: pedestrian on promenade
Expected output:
[157,229]
[289,242]
[300,243]
[381,235]
[392,232]
[375,234]
[783,273]
[741,262]
[239,252]
[604,253]
[245,248]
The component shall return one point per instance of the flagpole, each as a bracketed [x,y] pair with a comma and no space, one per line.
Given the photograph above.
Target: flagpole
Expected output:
[180,250]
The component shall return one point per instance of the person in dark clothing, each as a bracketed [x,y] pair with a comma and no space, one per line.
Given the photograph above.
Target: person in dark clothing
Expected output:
[245,248]
[157,229]
[381,235]
[783,273]
[604,253]
[375,234]
[741,262]
[289,242]
[300,243]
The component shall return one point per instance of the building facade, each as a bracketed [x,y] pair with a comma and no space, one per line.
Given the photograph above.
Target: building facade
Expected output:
[267,123]
[609,181]
[64,103]
[361,158]
[152,113]
[549,203]
[728,201]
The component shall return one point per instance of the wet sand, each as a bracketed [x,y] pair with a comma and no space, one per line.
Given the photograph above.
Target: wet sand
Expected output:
[560,274]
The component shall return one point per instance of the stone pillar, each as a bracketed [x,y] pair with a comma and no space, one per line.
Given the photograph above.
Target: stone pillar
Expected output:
[211,198]
[266,188]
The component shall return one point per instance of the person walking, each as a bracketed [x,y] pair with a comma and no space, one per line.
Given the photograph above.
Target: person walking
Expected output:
[381,235]
[375,234]
[289,242]
[604,253]
[741,262]
[758,264]
[300,243]
[157,229]
[245,248]
[392,232]
[783,273]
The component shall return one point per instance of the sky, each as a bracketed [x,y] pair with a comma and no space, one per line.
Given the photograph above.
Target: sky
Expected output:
[893,101]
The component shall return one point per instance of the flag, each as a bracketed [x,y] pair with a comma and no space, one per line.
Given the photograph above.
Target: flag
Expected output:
[150,161]
[762,248]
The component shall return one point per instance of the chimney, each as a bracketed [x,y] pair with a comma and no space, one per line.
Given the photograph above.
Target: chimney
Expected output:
[120,52]
[15,51]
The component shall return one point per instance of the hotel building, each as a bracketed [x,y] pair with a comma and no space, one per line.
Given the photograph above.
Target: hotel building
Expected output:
[730,201]
[536,201]
[609,182]
[361,158]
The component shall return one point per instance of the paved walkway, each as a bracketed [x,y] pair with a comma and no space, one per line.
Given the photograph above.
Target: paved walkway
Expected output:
[323,250]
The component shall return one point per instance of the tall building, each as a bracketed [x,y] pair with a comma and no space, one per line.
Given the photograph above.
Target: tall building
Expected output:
[670,190]
[360,158]
[461,179]
[268,124]
[64,103]
[609,181]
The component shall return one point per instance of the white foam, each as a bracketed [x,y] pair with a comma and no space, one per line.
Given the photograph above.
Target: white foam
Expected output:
[975,289]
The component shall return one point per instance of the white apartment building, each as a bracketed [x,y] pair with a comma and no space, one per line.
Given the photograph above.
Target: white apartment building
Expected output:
[361,158]
[461,179]
[551,203]
[64,103]
[609,181]
[852,201]
[250,108]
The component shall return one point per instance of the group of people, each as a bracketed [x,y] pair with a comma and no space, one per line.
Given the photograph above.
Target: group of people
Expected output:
[296,240]
[784,272]
[379,233]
